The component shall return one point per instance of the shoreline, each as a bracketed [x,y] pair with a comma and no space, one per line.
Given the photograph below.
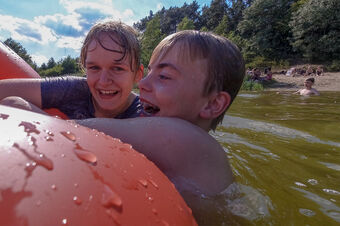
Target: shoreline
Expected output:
[330,81]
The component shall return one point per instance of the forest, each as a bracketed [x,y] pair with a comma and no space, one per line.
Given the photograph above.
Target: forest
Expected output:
[275,33]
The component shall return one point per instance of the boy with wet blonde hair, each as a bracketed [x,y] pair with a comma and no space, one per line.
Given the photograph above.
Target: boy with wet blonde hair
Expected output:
[224,66]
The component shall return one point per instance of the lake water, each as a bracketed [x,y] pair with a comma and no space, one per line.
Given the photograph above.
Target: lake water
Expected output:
[284,150]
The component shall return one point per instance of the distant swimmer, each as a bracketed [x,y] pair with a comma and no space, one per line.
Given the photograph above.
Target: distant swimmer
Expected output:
[308,90]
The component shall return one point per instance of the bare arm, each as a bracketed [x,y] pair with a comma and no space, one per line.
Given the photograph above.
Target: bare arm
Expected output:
[297,92]
[28,89]
[189,156]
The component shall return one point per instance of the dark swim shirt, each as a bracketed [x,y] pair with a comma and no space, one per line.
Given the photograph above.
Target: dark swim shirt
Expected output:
[72,96]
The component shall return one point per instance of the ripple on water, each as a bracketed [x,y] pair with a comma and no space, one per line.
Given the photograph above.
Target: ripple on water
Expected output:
[327,207]
[271,128]
[307,212]
[248,95]
[247,202]
[331,165]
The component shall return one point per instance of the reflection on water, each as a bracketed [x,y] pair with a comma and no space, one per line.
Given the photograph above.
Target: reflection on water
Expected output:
[284,150]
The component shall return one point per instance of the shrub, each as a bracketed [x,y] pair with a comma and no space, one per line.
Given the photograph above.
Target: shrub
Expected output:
[250,85]
[51,72]
[260,62]
[334,66]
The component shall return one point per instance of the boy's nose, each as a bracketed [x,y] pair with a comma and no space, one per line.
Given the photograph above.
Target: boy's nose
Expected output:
[105,77]
[144,84]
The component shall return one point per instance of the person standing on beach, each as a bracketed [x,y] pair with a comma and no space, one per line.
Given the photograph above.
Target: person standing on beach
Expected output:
[308,90]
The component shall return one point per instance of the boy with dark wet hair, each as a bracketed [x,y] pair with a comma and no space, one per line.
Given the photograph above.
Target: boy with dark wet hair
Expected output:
[110,57]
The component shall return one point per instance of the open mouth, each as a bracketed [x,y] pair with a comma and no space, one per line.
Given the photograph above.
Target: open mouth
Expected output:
[150,109]
[108,93]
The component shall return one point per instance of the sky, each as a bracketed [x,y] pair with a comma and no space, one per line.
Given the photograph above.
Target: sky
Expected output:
[56,28]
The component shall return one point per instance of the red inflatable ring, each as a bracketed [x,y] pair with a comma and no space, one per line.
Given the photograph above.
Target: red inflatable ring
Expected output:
[53,172]
[13,66]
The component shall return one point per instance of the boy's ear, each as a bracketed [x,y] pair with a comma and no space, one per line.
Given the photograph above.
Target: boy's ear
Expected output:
[217,104]
[139,73]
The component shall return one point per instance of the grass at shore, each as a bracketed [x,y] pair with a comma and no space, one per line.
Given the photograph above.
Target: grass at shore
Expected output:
[250,85]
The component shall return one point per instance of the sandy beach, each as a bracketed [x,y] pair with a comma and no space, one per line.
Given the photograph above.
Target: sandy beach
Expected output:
[330,81]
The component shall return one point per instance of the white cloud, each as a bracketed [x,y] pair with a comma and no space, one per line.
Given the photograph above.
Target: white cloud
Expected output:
[25,30]
[70,20]
[105,7]
[39,59]
[70,42]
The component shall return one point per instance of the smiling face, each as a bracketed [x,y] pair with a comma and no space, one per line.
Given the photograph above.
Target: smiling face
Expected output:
[174,86]
[109,77]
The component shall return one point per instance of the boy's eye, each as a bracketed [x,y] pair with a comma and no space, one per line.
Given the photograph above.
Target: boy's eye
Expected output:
[164,77]
[118,69]
[93,67]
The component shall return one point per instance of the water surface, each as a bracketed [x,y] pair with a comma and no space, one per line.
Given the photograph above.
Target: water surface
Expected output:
[284,150]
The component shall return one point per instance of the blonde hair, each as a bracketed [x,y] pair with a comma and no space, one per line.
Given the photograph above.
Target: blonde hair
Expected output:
[122,34]
[225,65]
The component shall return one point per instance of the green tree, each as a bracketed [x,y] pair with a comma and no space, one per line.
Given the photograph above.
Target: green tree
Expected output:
[192,12]
[315,26]
[211,16]
[43,67]
[169,19]
[186,24]
[69,65]
[21,51]
[298,4]
[265,26]
[57,70]
[141,25]
[51,63]
[222,27]
[235,12]
[151,37]
[204,28]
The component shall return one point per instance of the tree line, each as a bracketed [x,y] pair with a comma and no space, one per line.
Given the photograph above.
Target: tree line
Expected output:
[52,68]
[268,32]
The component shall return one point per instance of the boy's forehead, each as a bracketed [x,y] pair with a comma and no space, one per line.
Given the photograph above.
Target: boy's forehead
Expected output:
[107,41]
[178,55]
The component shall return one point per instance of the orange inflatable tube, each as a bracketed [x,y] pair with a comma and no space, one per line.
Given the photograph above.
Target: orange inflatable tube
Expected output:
[13,66]
[53,172]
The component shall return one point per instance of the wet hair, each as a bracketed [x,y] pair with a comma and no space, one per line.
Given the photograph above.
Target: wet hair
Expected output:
[120,33]
[310,80]
[225,67]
